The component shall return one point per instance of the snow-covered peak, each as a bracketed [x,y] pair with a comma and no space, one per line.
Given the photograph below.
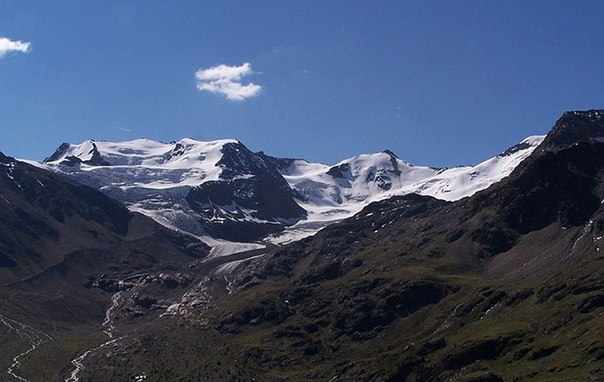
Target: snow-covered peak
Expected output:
[220,187]
[186,153]
[332,193]
[380,171]
[534,140]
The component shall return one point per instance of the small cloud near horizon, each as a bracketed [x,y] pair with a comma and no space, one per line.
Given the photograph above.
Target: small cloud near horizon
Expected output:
[8,46]
[226,81]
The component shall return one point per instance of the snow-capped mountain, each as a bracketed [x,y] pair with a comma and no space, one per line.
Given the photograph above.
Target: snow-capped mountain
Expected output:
[332,193]
[217,188]
[221,189]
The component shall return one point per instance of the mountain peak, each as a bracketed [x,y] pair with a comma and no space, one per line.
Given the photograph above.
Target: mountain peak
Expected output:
[185,153]
[574,127]
[591,115]
[390,153]
[59,152]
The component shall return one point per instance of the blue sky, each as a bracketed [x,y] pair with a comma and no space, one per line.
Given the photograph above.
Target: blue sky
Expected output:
[439,83]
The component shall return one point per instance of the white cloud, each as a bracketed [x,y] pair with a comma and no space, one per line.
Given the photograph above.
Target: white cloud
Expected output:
[226,80]
[9,46]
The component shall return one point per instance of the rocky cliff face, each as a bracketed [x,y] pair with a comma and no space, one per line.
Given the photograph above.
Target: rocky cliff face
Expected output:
[575,127]
[250,200]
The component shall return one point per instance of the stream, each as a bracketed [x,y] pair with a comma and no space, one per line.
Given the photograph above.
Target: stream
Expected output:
[33,336]
[109,329]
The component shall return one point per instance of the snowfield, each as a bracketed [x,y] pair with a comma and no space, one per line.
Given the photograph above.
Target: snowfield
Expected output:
[372,177]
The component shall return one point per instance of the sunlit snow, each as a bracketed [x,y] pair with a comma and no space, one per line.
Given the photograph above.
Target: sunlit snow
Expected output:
[154,178]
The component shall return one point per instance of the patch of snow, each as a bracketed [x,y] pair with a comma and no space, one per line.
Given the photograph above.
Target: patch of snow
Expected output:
[224,248]
[230,267]
[6,200]
[171,310]
[584,232]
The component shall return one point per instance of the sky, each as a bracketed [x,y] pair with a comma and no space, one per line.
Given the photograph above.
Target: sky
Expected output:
[440,83]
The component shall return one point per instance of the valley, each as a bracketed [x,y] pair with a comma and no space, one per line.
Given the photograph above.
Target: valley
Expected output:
[205,261]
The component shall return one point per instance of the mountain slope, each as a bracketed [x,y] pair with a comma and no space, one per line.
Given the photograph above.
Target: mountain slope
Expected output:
[65,250]
[507,284]
[45,217]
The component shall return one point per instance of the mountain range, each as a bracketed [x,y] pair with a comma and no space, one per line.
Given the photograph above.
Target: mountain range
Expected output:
[191,260]
[222,190]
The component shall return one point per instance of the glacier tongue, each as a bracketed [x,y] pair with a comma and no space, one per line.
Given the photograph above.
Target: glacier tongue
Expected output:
[158,179]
